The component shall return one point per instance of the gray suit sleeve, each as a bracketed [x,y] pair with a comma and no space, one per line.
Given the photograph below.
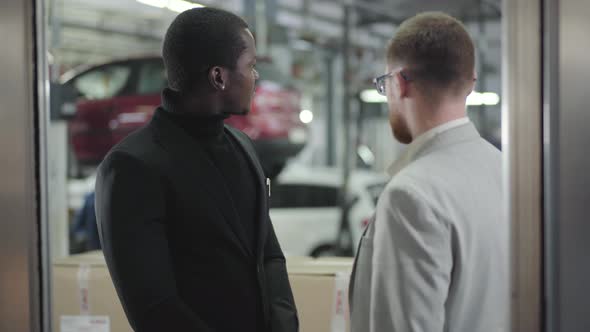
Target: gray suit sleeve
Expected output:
[412,263]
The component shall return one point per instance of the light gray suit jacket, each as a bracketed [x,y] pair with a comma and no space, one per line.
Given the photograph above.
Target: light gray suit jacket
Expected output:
[435,257]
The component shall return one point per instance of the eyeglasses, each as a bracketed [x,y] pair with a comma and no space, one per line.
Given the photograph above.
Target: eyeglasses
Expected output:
[380,81]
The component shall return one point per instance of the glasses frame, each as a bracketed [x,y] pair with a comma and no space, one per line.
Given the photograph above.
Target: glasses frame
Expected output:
[379,81]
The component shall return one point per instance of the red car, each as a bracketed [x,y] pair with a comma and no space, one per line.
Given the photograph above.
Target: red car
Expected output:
[116,98]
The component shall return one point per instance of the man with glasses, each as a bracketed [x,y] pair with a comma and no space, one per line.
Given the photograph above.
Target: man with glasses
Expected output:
[435,255]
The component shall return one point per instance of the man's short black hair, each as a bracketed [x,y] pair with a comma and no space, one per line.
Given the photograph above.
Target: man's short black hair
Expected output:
[199,39]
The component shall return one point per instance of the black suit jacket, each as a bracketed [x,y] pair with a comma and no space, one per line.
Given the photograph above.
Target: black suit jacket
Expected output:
[175,248]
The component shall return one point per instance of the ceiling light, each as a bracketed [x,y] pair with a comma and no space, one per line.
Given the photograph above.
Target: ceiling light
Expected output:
[154,3]
[490,98]
[306,116]
[180,5]
[474,99]
[372,96]
[485,98]
[366,154]
[174,5]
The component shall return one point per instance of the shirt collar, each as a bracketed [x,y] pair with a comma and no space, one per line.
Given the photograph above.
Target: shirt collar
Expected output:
[408,156]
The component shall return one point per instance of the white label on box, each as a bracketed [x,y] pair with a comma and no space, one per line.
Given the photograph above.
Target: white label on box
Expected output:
[85,324]
[340,308]
[83,276]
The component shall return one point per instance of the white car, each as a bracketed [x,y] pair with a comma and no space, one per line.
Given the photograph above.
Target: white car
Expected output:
[306,210]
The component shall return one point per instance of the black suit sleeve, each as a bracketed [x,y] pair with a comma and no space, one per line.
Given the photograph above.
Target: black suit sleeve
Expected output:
[130,208]
[282,305]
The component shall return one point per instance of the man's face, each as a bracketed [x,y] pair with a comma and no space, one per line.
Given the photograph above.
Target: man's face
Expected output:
[243,78]
[397,118]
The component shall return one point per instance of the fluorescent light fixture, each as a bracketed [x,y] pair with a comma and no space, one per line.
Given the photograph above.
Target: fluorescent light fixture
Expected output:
[490,98]
[180,5]
[372,96]
[301,45]
[173,5]
[154,3]
[485,98]
[474,99]
[306,116]
[366,154]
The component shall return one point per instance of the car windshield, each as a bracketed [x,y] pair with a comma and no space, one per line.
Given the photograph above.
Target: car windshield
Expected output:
[375,191]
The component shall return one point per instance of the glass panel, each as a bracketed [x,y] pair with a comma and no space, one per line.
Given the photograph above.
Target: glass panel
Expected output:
[103,83]
[152,78]
[318,126]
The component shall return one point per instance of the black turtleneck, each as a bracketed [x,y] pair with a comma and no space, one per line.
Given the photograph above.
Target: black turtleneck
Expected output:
[227,156]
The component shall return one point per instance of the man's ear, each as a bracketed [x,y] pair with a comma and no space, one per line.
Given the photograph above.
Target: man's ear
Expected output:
[401,85]
[218,78]
[472,86]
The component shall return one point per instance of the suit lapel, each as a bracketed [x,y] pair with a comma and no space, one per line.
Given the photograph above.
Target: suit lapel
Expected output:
[194,163]
[351,284]
[248,150]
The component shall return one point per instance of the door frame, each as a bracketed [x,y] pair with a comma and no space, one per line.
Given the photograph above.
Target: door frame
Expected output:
[23,255]
[522,146]
[24,235]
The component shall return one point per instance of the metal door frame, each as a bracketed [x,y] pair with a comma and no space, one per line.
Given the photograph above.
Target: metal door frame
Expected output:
[521,142]
[22,266]
[24,277]
[567,164]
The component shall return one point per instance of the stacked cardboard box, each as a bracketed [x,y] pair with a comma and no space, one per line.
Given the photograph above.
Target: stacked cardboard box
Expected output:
[84,298]
[320,288]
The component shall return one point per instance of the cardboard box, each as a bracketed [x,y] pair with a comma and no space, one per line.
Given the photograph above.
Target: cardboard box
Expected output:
[84,298]
[320,288]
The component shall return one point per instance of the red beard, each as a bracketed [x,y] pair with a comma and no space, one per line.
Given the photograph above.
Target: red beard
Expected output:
[400,129]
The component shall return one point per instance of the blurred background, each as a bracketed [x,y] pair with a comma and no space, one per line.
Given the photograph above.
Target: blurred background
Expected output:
[320,127]
[77,76]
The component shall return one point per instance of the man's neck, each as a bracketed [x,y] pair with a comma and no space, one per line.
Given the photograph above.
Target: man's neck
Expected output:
[426,119]
[195,105]
[199,107]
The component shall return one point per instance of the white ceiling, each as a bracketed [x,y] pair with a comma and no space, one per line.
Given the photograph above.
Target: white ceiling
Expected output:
[96,31]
